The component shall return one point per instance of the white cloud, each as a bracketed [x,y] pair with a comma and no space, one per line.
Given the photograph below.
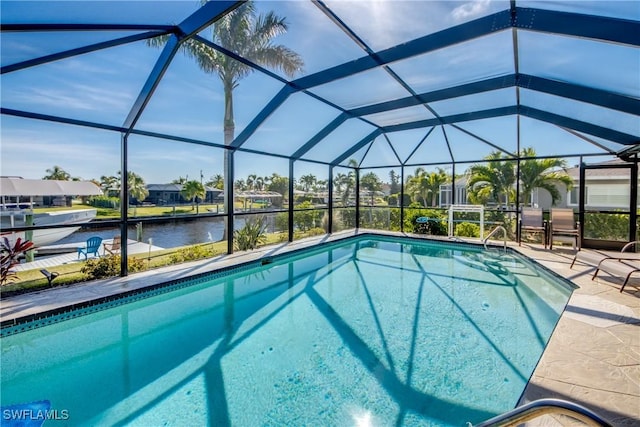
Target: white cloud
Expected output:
[470,10]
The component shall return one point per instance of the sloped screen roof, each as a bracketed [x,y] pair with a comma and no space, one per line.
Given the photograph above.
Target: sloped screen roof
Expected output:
[460,78]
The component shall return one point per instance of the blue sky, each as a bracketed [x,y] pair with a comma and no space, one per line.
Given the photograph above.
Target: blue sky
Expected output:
[101,87]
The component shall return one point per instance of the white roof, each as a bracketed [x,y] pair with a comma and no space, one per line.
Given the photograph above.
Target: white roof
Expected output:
[44,187]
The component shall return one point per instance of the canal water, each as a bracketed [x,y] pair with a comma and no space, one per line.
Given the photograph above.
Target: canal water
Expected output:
[169,234]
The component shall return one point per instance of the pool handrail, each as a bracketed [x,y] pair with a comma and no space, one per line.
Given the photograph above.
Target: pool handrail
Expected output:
[494,231]
[542,407]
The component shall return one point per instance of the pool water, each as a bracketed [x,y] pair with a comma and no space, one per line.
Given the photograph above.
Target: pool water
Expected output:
[369,331]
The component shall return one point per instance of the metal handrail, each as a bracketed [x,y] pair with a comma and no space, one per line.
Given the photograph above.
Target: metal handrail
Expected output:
[494,231]
[542,407]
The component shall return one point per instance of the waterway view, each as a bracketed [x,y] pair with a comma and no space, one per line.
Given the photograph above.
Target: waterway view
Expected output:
[168,234]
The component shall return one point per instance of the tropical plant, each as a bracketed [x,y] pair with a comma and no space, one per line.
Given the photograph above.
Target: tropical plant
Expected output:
[542,173]
[251,235]
[307,182]
[493,181]
[278,184]
[57,173]
[344,184]
[395,182]
[216,181]
[110,185]
[251,181]
[9,255]
[135,184]
[180,180]
[137,187]
[240,185]
[192,190]
[426,185]
[371,182]
[259,183]
[244,32]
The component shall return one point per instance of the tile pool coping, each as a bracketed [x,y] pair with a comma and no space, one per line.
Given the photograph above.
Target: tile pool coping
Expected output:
[593,356]
[19,323]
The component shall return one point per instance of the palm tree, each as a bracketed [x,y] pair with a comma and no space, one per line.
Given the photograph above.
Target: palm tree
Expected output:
[307,182]
[57,173]
[346,183]
[216,181]
[251,181]
[371,183]
[109,184]
[191,190]
[137,187]
[279,184]
[426,185]
[339,182]
[492,181]
[249,35]
[259,183]
[180,180]
[241,185]
[542,173]
[266,180]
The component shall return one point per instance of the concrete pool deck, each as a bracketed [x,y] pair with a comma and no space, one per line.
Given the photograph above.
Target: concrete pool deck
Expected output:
[593,357]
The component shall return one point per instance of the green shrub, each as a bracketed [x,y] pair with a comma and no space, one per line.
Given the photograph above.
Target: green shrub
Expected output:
[191,253]
[606,226]
[317,231]
[307,219]
[104,202]
[109,266]
[467,229]
[346,218]
[282,221]
[251,235]
[436,226]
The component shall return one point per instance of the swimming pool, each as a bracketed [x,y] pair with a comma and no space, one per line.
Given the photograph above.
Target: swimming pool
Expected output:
[366,331]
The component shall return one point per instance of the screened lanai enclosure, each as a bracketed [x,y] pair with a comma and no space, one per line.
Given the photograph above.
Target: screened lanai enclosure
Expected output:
[288,119]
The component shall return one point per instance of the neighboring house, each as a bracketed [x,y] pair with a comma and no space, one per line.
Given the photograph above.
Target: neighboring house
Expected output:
[605,189]
[169,194]
[445,196]
[16,191]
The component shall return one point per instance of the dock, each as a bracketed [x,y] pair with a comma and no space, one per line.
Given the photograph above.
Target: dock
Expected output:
[67,254]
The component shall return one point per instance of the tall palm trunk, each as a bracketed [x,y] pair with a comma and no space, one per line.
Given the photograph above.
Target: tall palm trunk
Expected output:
[229,130]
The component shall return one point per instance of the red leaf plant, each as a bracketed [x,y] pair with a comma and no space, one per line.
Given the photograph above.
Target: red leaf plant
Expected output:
[9,255]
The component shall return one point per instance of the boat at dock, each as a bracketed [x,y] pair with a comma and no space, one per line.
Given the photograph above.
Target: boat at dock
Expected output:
[20,218]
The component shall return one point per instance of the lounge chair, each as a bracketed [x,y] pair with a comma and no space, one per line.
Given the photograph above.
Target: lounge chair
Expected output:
[595,257]
[531,221]
[562,224]
[112,247]
[622,264]
[620,268]
[92,247]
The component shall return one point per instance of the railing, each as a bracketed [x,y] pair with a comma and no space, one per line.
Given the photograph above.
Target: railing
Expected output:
[543,407]
[494,231]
